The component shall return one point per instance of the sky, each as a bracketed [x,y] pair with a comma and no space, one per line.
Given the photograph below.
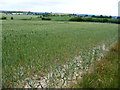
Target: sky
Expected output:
[97,7]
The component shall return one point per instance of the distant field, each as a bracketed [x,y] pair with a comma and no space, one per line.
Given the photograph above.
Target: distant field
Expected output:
[18,17]
[35,17]
[62,18]
[32,47]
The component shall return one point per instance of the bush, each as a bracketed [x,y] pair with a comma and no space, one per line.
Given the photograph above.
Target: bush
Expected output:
[26,19]
[76,19]
[105,20]
[40,16]
[88,19]
[114,21]
[46,18]
[4,18]
[11,18]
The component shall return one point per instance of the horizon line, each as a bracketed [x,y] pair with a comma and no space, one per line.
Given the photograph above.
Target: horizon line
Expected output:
[56,12]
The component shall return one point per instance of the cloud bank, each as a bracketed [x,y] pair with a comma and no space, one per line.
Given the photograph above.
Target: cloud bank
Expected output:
[98,7]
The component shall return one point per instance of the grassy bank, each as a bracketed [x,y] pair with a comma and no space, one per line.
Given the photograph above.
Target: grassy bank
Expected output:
[105,72]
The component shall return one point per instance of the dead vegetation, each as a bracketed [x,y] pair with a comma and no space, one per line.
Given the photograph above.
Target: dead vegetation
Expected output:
[105,71]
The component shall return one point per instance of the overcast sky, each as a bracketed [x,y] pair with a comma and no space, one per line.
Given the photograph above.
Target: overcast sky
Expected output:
[98,7]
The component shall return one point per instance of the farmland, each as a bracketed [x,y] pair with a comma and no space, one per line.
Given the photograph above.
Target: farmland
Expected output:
[32,47]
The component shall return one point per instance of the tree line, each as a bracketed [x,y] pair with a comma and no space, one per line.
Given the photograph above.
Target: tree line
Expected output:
[94,19]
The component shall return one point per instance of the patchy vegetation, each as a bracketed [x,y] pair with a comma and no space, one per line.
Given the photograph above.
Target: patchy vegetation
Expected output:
[32,47]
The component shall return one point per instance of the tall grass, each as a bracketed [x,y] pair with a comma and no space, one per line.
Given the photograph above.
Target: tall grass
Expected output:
[62,76]
[32,47]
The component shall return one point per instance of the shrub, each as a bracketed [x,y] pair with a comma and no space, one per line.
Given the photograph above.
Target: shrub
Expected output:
[114,21]
[88,19]
[46,18]
[40,16]
[25,19]
[76,19]
[11,18]
[105,20]
[4,18]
